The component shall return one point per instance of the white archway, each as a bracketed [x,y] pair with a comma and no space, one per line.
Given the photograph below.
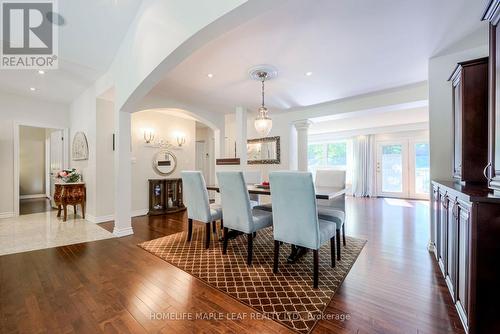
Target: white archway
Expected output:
[158,40]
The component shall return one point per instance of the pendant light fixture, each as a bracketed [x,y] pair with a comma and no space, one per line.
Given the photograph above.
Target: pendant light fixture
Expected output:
[263,123]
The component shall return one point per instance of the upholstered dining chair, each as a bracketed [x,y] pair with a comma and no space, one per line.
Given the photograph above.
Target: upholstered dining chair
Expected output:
[198,204]
[254,177]
[333,210]
[238,213]
[295,217]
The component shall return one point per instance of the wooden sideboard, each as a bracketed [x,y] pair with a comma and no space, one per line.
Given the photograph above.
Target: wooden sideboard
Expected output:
[165,196]
[467,246]
[70,194]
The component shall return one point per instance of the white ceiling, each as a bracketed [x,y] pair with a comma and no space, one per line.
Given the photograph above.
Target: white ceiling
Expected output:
[88,42]
[351,46]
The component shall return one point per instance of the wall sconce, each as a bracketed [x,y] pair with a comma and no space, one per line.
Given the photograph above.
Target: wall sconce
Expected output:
[149,135]
[181,139]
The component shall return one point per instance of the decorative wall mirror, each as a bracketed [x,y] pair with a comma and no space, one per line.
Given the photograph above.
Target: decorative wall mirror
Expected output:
[164,163]
[263,151]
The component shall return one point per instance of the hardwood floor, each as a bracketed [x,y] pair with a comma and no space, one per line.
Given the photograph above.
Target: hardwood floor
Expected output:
[113,286]
[34,205]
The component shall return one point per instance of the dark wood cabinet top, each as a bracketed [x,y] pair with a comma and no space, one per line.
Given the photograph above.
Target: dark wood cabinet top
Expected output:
[469,192]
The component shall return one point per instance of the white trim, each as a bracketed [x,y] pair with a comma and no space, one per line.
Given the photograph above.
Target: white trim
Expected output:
[47,165]
[372,111]
[33,196]
[6,215]
[328,136]
[16,126]
[140,212]
[123,232]
[108,218]
[99,219]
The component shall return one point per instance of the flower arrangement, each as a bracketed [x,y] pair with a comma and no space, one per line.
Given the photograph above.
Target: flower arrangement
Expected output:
[69,175]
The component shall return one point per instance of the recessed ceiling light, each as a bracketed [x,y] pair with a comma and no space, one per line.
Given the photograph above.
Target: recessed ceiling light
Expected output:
[32,89]
[309,74]
[210,75]
[41,72]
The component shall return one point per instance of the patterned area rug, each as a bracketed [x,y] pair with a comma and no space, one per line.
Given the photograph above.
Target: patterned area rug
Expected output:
[287,297]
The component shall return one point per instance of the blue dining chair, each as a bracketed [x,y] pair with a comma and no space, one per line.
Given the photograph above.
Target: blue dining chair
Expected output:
[333,210]
[295,217]
[198,205]
[238,213]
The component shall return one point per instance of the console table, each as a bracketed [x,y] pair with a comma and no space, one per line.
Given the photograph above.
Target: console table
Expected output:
[70,194]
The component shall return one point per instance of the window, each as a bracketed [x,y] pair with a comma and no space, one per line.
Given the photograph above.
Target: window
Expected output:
[331,155]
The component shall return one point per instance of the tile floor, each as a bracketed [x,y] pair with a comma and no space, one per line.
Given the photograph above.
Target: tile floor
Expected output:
[45,230]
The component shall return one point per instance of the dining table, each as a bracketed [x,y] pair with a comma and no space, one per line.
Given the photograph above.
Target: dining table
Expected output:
[325,193]
[328,193]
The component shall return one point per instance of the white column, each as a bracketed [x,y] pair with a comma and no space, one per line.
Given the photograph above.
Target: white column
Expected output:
[241,134]
[302,128]
[123,175]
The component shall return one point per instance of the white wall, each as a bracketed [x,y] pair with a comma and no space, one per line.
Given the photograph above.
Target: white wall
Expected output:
[27,111]
[83,116]
[105,180]
[165,127]
[32,172]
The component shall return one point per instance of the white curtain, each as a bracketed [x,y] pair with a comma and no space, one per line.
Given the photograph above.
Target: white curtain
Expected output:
[364,166]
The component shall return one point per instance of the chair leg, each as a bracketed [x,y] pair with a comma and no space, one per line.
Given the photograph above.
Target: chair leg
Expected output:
[207,235]
[221,224]
[250,248]
[214,226]
[226,239]
[316,269]
[190,229]
[276,255]
[338,243]
[343,234]
[332,250]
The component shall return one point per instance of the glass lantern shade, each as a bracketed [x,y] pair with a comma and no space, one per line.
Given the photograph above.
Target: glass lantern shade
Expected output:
[263,124]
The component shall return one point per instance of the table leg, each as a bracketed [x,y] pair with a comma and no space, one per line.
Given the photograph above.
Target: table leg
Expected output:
[74,210]
[296,253]
[59,210]
[83,209]
[65,208]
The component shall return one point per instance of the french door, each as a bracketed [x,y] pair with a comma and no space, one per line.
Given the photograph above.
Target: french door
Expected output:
[402,168]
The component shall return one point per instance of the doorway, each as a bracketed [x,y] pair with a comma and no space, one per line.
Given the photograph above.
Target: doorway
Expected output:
[40,154]
[201,158]
[403,168]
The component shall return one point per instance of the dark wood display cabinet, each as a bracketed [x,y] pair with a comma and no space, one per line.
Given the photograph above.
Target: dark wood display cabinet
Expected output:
[165,196]
[470,120]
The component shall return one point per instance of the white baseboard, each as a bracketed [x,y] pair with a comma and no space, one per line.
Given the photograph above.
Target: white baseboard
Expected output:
[141,212]
[32,196]
[99,219]
[123,232]
[6,214]
[107,218]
